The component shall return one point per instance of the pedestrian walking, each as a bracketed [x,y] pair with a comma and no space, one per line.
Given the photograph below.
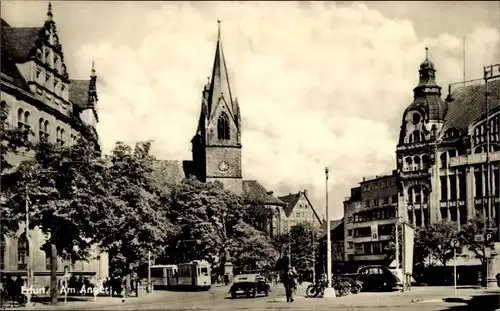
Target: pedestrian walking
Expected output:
[288,278]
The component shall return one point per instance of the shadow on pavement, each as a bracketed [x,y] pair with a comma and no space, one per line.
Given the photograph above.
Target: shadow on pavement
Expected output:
[486,302]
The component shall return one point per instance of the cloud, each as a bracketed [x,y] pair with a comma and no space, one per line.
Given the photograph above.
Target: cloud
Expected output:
[318,84]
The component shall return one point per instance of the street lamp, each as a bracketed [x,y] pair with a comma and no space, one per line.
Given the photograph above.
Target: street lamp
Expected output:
[329,291]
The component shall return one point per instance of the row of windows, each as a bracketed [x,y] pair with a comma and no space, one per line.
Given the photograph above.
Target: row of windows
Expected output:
[416,136]
[50,83]
[23,121]
[379,214]
[416,163]
[385,201]
[418,194]
[454,214]
[370,248]
[380,184]
[367,231]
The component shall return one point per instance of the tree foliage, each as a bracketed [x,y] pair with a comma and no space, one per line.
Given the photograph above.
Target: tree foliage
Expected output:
[211,221]
[136,223]
[437,239]
[13,139]
[65,190]
[420,249]
[475,226]
[298,243]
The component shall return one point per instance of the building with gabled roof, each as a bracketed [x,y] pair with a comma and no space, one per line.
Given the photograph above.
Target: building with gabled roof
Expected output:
[298,208]
[37,94]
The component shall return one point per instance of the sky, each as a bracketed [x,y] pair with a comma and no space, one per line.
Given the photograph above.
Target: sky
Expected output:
[319,83]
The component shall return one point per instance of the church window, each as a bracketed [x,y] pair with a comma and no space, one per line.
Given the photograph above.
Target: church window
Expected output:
[22,252]
[415,118]
[223,127]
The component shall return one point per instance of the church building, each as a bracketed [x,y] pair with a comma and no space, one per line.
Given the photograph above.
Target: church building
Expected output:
[217,144]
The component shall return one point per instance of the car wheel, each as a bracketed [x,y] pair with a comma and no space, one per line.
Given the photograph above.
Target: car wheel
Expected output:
[233,295]
[266,293]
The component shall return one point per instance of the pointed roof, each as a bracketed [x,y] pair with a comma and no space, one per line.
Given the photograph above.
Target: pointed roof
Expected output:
[255,193]
[83,93]
[220,89]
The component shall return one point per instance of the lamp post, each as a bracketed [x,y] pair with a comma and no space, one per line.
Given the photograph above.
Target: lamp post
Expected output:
[329,291]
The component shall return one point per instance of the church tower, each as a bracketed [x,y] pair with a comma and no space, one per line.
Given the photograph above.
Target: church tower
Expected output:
[216,145]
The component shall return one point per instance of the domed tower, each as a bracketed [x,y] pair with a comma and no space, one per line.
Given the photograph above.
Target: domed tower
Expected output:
[422,121]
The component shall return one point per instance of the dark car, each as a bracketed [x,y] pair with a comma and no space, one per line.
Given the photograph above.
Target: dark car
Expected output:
[376,278]
[249,285]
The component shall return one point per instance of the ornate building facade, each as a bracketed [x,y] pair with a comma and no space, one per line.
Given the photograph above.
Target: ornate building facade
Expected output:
[441,154]
[38,94]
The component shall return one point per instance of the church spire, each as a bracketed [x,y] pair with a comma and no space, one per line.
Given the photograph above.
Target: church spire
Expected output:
[49,12]
[220,89]
[92,87]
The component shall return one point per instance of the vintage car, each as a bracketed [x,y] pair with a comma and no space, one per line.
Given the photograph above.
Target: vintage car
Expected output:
[249,285]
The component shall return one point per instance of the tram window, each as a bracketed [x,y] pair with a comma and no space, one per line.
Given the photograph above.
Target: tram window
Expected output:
[204,271]
[157,273]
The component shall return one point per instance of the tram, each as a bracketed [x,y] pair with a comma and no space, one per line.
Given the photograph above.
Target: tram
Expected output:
[195,275]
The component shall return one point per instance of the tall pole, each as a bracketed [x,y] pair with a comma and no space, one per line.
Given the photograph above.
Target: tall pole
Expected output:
[328,238]
[454,271]
[149,272]
[289,244]
[313,257]
[28,263]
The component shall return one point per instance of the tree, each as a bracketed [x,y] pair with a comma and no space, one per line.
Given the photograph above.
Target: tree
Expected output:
[438,238]
[215,218]
[420,249]
[475,226]
[299,240]
[137,223]
[66,193]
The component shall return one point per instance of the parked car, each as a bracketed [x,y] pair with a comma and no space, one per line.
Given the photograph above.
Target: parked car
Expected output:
[376,278]
[249,285]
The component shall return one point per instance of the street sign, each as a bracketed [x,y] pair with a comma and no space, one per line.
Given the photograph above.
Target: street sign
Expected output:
[479,238]
[455,243]
[488,237]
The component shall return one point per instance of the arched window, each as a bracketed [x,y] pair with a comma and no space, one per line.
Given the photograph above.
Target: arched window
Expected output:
[26,119]
[418,136]
[416,161]
[20,114]
[444,160]
[408,162]
[425,161]
[223,127]
[43,126]
[22,252]
[410,195]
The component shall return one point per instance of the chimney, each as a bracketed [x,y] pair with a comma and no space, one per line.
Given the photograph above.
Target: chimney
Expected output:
[305,192]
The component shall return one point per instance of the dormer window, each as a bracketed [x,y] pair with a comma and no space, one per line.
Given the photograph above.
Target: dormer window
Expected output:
[47,77]
[56,82]
[38,73]
[56,63]
[39,54]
